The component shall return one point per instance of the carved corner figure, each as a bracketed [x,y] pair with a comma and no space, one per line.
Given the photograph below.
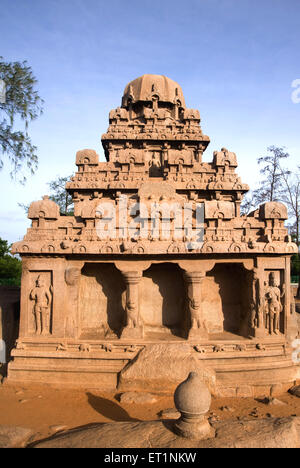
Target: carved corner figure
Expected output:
[134,326]
[42,298]
[273,306]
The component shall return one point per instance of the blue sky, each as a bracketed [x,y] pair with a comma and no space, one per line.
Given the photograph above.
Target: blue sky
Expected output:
[235,60]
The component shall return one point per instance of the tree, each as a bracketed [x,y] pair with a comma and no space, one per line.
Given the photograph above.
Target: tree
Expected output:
[22,102]
[270,188]
[59,195]
[10,267]
[290,195]
[279,184]
[248,204]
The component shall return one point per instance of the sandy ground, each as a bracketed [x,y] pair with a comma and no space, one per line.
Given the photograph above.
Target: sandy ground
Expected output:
[47,409]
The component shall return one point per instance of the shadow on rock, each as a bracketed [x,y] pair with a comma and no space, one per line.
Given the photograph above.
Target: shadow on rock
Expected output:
[108,408]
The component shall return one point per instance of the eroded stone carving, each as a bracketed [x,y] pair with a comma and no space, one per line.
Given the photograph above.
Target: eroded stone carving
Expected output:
[72,276]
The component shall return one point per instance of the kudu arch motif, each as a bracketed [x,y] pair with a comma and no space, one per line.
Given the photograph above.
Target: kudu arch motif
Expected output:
[157,251]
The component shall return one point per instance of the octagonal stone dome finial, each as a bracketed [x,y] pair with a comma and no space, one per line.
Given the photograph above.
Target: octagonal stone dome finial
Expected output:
[146,88]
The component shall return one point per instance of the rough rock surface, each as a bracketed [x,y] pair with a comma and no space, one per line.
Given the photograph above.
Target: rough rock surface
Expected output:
[266,433]
[138,398]
[170,413]
[14,436]
[161,367]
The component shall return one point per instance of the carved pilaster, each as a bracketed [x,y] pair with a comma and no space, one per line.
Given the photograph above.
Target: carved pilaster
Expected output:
[72,279]
[25,311]
[290,319]
[134,326]
[193,280]
[257,320]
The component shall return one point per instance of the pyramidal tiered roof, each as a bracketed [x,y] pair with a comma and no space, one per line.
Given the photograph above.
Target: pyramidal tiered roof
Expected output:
[154,147]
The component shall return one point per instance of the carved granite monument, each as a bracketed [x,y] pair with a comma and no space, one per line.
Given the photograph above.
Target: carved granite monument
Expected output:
[157,253]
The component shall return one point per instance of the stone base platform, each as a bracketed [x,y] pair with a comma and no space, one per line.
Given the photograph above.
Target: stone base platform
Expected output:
[242,368]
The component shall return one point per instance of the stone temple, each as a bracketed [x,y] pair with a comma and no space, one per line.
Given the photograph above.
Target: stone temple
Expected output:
[157,272]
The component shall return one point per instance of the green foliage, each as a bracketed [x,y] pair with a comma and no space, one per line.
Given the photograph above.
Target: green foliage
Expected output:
[59,195]
[4,247]
[295,266]
[23,103]
[10,267]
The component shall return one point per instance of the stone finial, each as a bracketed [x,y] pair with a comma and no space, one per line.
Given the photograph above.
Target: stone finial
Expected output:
[273,210]
[44,208]
[192,399]
[87,156]
[147,86]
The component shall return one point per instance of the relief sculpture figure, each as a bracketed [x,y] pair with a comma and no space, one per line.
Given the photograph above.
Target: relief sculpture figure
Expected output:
[41,296]
[273,306]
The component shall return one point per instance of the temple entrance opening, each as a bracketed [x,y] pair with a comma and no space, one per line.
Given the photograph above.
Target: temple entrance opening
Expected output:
[226,301]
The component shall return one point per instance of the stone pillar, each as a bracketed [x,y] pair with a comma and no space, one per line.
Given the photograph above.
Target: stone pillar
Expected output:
[286,293]
[290,319]
[134,327]
[193,281]
[24,308]
[258,326]
[72,279]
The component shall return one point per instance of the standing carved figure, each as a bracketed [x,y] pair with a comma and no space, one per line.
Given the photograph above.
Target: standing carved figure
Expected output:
[155,165]
[41,295]
[253,315]
[273,306]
